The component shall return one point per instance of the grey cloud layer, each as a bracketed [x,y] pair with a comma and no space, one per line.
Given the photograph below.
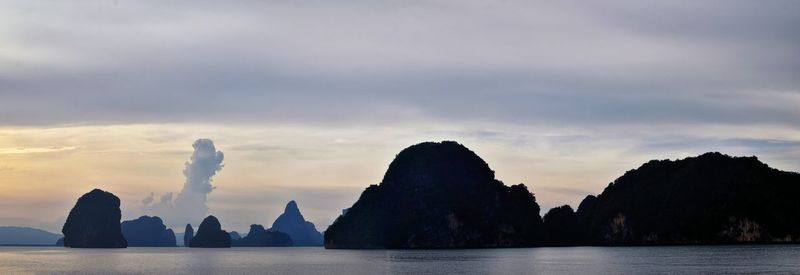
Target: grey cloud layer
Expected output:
[616,62]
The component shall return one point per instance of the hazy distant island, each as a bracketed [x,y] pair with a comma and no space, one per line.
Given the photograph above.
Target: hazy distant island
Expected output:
[442,195]
[292,222]
[235,235]
[260,237]
[289,229]
[148,231]
[16,235]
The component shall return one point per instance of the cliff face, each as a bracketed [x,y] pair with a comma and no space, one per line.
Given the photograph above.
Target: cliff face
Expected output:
[148,231]
[210,234]
[439,195]
[292,222]
[258,236]
[94,222]
[709,199]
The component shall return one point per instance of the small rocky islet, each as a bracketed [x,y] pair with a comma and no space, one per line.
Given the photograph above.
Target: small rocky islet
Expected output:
[210,234]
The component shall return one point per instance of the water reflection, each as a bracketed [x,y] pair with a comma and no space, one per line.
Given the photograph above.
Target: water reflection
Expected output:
[568,260]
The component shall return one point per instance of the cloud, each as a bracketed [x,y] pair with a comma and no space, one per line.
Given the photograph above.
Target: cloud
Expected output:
[149,199]
[34,150]
[567,191]
[754,143]
[190,204]
[519,62]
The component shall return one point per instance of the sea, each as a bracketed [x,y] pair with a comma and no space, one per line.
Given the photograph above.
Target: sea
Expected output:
[749,259]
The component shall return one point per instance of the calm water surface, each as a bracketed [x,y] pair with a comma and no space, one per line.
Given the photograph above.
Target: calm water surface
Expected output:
[569,260]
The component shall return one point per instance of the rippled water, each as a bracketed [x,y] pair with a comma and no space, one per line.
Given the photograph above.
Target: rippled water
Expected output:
[568,260]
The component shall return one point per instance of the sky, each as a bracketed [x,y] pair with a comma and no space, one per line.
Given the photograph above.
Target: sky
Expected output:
[311,100]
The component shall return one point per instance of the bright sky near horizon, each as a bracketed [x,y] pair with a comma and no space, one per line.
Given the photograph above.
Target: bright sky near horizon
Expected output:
[311,100]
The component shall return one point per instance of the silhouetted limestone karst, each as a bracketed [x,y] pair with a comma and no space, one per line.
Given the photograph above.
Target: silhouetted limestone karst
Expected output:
[169,238]
[210,234]
[584,216]
[258,236]
[60,241]
[188,234]
[439,195]
[148,231]
[585,209]
[235,235]
[561,227]
[94,222]
[292,222]
[709,199]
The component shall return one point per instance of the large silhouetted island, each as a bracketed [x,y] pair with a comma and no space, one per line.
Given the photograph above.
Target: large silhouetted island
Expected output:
[210,234]
[94,222]
[439,195]
[148,231]
[708,199]
[258,236]
[292,222]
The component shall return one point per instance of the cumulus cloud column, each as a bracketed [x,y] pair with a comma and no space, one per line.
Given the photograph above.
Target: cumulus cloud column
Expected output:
[190,204]
[206,161]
